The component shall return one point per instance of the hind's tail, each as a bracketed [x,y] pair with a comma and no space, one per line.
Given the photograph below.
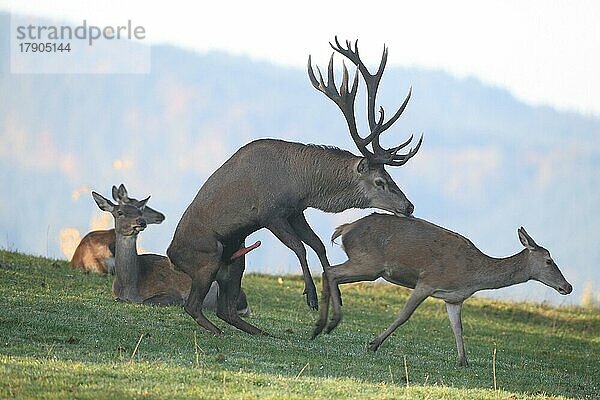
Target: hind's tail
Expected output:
[339,231]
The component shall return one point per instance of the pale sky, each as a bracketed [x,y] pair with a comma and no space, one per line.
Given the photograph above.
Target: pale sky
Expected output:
[543,52]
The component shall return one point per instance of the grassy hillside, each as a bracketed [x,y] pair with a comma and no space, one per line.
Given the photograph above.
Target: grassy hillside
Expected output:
[63,336]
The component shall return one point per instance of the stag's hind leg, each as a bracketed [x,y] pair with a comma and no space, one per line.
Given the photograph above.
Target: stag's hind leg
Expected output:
[201,282]
[230,281]
[201,264]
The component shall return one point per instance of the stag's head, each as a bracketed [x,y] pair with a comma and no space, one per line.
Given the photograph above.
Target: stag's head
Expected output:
[150,215]
[380,190]
[378,187]
[129,220]
[542,266]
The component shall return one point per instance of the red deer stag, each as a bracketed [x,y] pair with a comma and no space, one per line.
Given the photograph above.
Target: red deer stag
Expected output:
[269,183]
[433,261]
[96,251]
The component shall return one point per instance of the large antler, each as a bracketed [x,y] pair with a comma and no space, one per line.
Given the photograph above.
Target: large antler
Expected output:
[345,101]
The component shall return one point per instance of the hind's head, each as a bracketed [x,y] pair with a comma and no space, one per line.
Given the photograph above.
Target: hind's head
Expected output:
[150,215]
[129,220]
[542,266]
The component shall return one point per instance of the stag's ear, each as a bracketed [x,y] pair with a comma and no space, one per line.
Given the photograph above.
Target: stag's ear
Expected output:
[103,203]
[526,240]
[362,166]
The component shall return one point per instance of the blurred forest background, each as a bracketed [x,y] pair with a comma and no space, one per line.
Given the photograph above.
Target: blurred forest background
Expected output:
[488,164]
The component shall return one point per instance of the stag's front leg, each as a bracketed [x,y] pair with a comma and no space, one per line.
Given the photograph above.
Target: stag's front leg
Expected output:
[308,236]
[325,299]
[282,229]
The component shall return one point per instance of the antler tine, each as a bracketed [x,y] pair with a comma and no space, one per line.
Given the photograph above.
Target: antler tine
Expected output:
[399,111]
[376,146]
[403,145]
[399,160]
[351,55]
[344,99]
[330,79]
[311,75]
[338,46]
[344,85]
[377,127]
[328,89]
[383,62]
[371,80]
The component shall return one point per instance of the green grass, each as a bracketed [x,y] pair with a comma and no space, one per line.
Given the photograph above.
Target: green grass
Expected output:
[63,336]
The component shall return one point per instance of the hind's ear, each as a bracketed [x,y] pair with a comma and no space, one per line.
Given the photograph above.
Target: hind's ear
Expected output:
[115,193]
[123,193]
[526,240]
[143,203]
[103,203]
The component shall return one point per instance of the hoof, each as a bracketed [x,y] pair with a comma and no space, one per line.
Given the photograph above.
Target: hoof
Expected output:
[212,329]
[317,331]
[312,301]
[333,323]
[134,300]
[374,345]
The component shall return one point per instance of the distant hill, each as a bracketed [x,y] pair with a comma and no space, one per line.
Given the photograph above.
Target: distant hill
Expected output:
[488,165]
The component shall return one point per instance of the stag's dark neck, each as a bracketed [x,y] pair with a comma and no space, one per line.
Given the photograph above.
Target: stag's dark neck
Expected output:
[502,272]
[127,266]
[332,183]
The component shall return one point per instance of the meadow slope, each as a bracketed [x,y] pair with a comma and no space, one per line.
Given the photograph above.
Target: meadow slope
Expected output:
[63,336]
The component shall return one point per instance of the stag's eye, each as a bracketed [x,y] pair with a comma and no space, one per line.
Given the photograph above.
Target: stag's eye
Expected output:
[548,262]
[380,183]
[120,213]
